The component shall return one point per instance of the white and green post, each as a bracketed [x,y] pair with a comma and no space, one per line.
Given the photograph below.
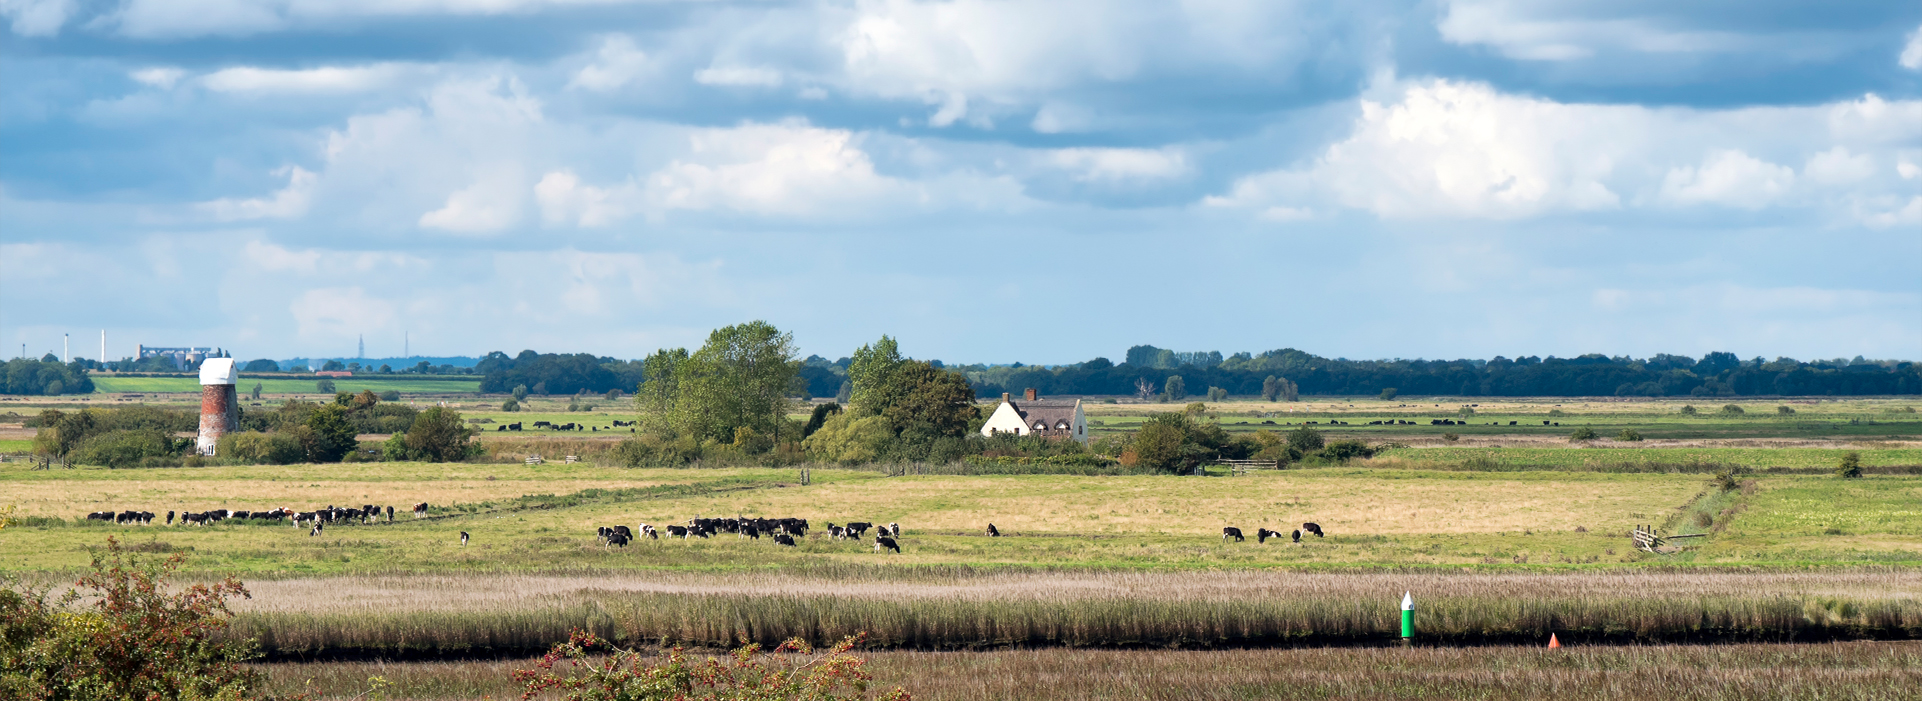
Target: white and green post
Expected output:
[1407,617]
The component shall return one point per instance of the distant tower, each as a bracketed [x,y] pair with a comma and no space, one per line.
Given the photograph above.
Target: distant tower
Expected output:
[103,346]
[406,345]
[363,348]
[219,404]
[66,353]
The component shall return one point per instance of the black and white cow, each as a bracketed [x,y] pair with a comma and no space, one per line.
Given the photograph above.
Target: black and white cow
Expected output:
[1312,528]
[1231,532]
[881,541]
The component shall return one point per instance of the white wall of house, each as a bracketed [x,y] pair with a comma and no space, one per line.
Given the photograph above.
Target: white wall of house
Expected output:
[1007,419]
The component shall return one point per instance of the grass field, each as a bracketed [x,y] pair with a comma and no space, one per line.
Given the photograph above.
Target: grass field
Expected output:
[464,385]
[1878,671]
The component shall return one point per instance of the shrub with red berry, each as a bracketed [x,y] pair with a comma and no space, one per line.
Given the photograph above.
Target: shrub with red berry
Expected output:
[597,671]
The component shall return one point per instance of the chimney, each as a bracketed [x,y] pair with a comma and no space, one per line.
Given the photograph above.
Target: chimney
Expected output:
[1030,395]
[1006,398]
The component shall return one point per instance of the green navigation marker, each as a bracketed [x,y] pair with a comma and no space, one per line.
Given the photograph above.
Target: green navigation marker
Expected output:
[1407,616]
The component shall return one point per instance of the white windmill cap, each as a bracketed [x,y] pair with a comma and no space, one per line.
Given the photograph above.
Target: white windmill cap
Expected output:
[218,371]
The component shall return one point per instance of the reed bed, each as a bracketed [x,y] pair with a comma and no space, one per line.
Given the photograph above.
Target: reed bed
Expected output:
[1875,671]
[441,616]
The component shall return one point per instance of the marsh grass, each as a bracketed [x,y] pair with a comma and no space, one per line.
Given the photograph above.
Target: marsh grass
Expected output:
[933,610]
[1855,671]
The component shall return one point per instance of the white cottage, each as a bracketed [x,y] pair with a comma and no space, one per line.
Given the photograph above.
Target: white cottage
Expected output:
[1052,418]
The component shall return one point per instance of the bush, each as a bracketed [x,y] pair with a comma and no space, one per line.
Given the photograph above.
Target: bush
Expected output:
[439,435]
[520,393]
[1850,466]
[1217,394]
[847,439]
[324,386]
[1727,479]
[1732,410]
[1583,434]
[1688,410]
[124,448]
[390,396]
[1388,393]
[510,405]
[135,638]
[260,448]
[1629,434]
[598,671]
[1305,439]
[1450,437]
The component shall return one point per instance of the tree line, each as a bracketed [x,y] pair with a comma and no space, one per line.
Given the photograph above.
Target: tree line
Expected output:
[1155,372]
[45,376]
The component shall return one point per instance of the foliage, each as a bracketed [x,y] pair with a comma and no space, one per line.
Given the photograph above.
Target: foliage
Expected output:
[63,432]
[1388,393]
[261,365]
[818,417]
[597,671]
[324,386]
[520,393]
[324,431]
[739,378]
[510,405]
[1305,439]
[1451,437]
[390,396]
[1584,434]
[1731,410]
[258,448]
[1850,466]
[850,439]
[1216,394]
[1727,479]
[1174,389]
[556,373]
[439,435]
[44,377]
[869,371]
[1688,410]
[138,637]
[917,396]
[127,448]
[1629,435]
[1785,410]
[1271,388]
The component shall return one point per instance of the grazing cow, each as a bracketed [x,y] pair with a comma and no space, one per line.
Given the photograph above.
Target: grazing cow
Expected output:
[649,531]
[1261,535]
[858,529]
[1231,532]
[617,539]
[894,530]
[837,532]
[390,514]
[784,539]
[1312,528]
[420,509]
[993,532]
[1297,535]
[881,541]
[316,530]
[677,532]
[463,538]
[623,531]
[170,518]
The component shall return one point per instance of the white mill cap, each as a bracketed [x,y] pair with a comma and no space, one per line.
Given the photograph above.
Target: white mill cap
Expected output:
[218,371]
[1407,602]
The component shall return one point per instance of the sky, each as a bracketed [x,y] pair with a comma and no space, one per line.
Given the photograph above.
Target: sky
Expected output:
[987,181]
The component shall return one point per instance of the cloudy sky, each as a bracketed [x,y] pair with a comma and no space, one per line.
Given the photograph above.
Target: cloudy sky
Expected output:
[989,181]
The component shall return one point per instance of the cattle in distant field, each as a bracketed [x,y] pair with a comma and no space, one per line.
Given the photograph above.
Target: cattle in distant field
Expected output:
[618,539]
[316,530]
[993,532]
[170,518]
[894,530]
[463,538]
[881,541]
[784,539]
[1262,535]
[1314,528]
[677,532]
[420,510]
[858,529]
[1231,532]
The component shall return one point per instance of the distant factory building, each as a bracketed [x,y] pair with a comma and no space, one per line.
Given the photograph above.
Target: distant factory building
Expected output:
[182,358]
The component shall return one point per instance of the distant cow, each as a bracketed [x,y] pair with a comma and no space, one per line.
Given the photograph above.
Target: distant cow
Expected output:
[1312,528]
[463,538]
[390,514]
[993,532]
[894,530]
[881,541]
[1231,532]
[858,529]
[619,539]
[1297,535]
[170,518]
[1262,535]
[677,532]
[784,539]
[420,510]
[316,530]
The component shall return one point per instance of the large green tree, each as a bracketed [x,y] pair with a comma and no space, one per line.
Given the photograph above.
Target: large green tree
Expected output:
[920,397]
[868,372]
[439,435]
[739,378]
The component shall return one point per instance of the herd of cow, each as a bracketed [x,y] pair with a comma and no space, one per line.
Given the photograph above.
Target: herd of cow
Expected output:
[782,531]
[317,519]
[569,426]
[1262,534]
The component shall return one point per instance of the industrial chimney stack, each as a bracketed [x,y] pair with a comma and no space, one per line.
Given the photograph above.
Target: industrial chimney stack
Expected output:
[219,403]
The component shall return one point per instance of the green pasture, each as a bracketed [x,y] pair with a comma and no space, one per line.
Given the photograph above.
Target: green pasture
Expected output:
[1605,457]
[107,384]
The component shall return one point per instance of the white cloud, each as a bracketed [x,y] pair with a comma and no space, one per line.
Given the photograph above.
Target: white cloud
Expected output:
[32,18]
[1912,52]
[267,257]
[161,77]
[1561,32]
[191,18]
[1119,163]
[617,63]
[784,168]
[1837,166]
[1730,178]
[563,199]
[286,203]
[739,76]
[310,80]
[490,205]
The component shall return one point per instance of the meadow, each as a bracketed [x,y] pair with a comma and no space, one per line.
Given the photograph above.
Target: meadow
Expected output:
[108,384]
[1504,535]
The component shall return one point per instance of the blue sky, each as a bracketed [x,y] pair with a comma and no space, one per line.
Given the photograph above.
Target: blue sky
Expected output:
[988,181]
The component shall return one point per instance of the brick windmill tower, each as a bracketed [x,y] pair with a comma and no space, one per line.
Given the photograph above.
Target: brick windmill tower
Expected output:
[219,403]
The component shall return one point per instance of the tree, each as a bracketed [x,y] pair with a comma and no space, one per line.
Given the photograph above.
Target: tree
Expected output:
[1271,388]
[1629,435]
[1785,410]
[818,417]
[332,365]
[1388,394]
[1305,439]
[1175,389]
[1158,444]
[739,378]
[872,367]
[1688,410]
[510,405]
[326,434]
[923,398]
[520,393]
[1144,389]
[1216,394]
[657,394]
[1583,434]
[261,365]
[1732,410]
[439,435]
[1850,467]
[256,391]
[324,386]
